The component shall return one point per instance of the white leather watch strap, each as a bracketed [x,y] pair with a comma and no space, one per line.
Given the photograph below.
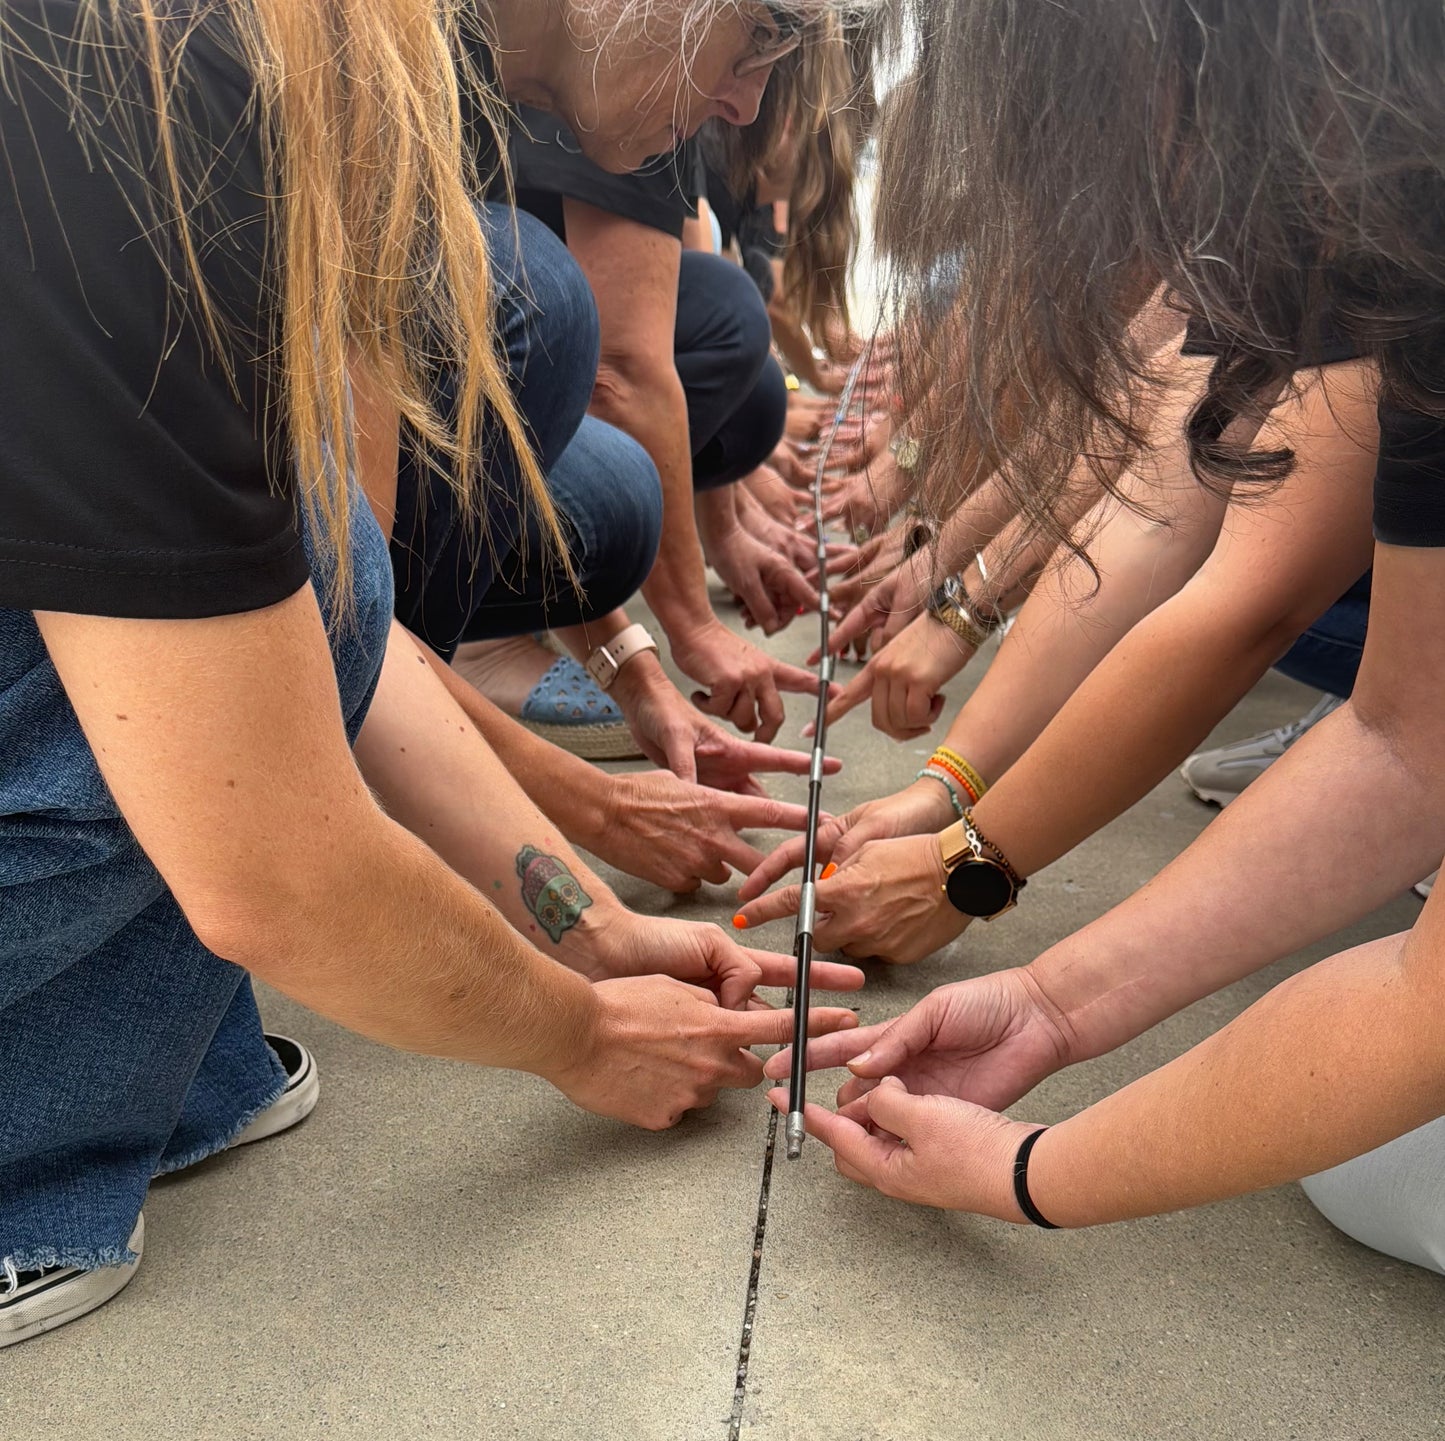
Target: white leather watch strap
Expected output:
[605,662]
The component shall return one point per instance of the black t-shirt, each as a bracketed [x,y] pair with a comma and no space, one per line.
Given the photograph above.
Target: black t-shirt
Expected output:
[548,166]
[742,219]
[135,474]
[1410,479]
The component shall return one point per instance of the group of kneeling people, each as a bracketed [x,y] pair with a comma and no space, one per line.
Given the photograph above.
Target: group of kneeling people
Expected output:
[334,386]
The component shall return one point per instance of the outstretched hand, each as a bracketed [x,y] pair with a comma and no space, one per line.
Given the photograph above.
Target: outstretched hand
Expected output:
[905,679]
[658,1047]
[930,1150]
[678,834]
[918,809]
[673,733]
[886,901]
[989,1040]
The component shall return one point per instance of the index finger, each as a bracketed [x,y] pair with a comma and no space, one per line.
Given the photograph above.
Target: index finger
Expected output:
[865,616]
[794,678]
[785,858]
[771,1028]
[868,1158]
[756,756]
[826,975]
[854,693]
[829,1052]
[762,813]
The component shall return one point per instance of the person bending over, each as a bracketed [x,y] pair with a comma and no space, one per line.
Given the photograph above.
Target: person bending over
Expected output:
[196,611]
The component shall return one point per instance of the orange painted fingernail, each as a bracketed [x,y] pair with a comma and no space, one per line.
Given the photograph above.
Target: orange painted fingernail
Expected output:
[740,922]
[830,869]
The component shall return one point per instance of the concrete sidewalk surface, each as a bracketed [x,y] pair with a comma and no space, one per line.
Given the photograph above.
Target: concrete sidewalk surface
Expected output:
[441,1252]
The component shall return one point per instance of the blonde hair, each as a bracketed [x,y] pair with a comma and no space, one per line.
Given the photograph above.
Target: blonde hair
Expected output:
[377,256]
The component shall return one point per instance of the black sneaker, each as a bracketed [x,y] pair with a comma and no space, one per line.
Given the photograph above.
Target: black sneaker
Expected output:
[36,1301]
[296,1102]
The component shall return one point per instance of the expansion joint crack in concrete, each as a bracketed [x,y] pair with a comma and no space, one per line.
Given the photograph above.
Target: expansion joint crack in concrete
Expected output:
[750,1308]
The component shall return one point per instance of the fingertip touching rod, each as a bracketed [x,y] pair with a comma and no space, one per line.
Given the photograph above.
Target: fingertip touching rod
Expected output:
[807,897]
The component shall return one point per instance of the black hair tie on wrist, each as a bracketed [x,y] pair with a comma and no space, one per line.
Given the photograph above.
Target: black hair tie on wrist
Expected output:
[1021,1182]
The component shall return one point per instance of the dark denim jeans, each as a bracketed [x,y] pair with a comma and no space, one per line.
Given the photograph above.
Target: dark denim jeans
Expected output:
[1327,655]
[737,403]
[457,580]
[126,1048]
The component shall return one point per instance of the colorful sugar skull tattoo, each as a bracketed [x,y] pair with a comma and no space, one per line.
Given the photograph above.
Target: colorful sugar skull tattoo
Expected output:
[550,891]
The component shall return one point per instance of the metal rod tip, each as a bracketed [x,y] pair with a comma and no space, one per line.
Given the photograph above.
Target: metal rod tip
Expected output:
[795,1133]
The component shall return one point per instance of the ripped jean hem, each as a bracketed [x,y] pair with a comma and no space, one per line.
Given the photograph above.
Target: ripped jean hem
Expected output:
[197,1154]
[45,1258]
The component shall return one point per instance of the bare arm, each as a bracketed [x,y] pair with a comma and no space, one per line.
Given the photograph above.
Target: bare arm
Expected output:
[1075,616]
[223,744]
[634,271]
[1278,565]
[1287,863]
[1330,1064]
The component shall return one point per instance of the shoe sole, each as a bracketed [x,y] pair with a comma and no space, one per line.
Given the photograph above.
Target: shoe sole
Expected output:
[292,1107]
[88,1291]
[1212,798]
[589,742]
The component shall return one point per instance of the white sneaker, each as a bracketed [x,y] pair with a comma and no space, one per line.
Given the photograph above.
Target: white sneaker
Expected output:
[1218,776]
[296,1102]
[36,1301]
[1423,888]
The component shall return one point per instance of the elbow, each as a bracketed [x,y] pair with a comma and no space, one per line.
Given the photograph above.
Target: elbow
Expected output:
[631,385]
[265,903]
[255,924]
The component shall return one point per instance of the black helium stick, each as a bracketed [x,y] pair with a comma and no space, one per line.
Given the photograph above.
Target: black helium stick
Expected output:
[807,896]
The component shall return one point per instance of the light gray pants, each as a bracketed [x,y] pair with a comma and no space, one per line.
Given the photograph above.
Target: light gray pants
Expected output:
[1392,1198]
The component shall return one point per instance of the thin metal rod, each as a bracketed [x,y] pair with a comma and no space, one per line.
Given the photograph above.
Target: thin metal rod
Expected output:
[807,898]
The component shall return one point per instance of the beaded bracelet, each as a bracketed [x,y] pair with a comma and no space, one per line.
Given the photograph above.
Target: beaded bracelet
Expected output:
[955,762]
[928,773]
[954,774]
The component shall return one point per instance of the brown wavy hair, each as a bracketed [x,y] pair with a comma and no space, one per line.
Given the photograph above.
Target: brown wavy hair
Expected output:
[1277,165]
[823,228]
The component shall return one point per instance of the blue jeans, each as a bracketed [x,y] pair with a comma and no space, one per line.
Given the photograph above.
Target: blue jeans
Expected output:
[128,1048]
[1327,655]
[492,577]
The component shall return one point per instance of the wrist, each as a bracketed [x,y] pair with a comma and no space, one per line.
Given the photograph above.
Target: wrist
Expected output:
[930,800]
[693,636]
[1002,1200]
[599,938]
[683,611]
[1066,1013]
[574,1034]
[642,677]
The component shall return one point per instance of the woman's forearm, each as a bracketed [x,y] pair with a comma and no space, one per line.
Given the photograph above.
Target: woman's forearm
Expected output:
[1072,620]
[1332,1063]
[1276,566]
[1346,820]
[397,946]
[654,414]
[434,773]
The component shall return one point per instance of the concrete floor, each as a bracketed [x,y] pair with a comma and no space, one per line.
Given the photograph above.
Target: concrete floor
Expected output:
[448,1253]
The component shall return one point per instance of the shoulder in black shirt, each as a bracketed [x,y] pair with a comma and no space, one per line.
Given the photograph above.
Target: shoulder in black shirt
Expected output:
[135,471]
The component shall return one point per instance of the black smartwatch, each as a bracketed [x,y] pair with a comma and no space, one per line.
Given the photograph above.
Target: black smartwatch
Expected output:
[979,881]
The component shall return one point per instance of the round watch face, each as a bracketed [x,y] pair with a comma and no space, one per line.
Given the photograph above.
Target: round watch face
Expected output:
[979,887]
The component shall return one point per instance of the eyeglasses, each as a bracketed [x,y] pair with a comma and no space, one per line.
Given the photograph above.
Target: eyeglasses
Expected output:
[779,35]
